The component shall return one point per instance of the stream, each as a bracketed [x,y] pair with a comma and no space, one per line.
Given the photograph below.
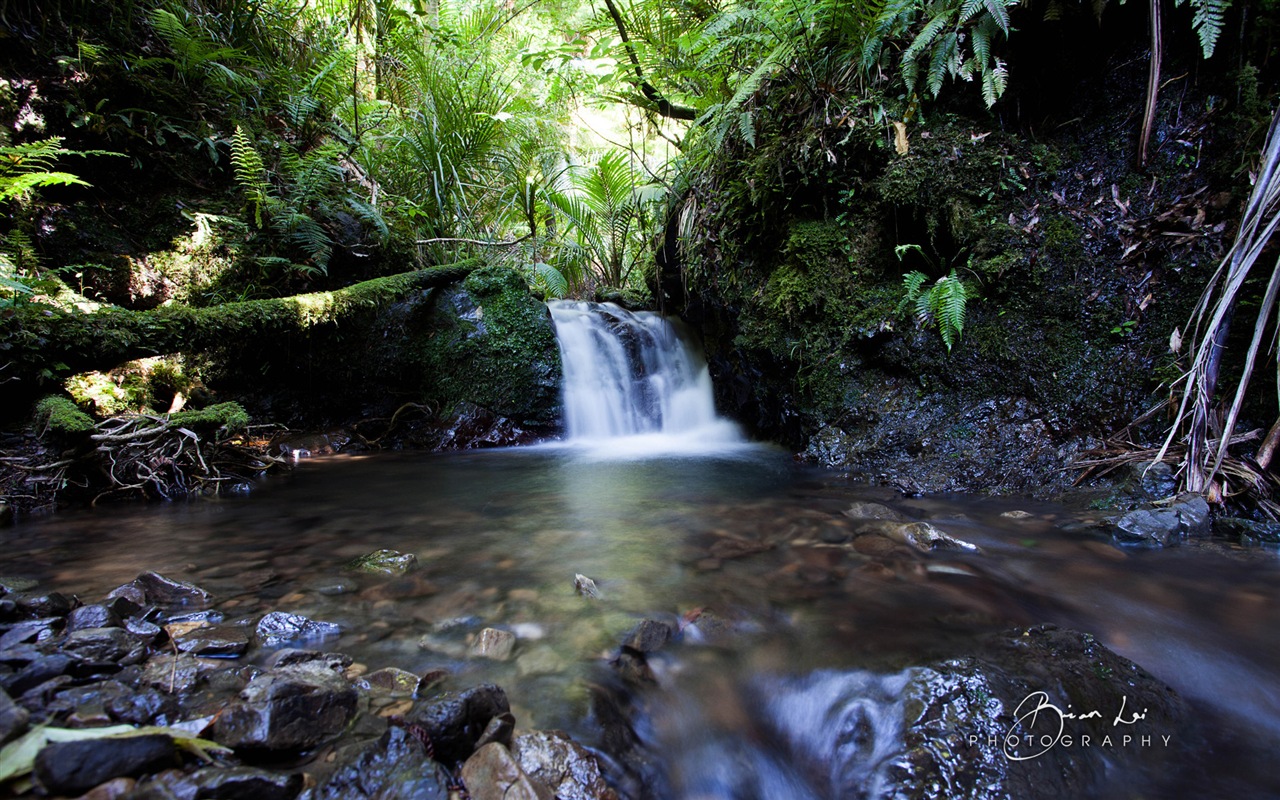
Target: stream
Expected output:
[797,636]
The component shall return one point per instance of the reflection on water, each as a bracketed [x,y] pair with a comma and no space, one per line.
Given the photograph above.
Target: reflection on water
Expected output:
[499,536]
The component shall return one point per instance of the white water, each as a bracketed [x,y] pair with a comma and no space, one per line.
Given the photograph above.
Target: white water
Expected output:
[635,384]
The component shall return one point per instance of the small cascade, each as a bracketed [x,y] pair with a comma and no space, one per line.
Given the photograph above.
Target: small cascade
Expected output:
[634,375]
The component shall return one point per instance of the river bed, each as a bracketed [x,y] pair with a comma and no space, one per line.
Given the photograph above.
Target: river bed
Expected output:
[747,539]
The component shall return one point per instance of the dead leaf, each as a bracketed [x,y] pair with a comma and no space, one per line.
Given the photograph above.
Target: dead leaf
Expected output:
[1175,341]
[900,138]
[1146,301]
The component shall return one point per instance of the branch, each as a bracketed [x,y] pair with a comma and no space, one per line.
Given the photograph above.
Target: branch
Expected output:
[660,104]
[480,242]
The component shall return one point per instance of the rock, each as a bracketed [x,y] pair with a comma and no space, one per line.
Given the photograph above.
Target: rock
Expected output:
[384,562]
[336,662]
[396,767]
[586,587]
[455,722]
[874,545]
[219,641]
[53,604]
[1155,479]
[146,632]
[649,636]
[492,773]
[37,672]
[1268,532]
[292,708]
[95,616]
[392,681]
[336,586]
[13,719]
[925,537]
[173,674]
[6,515]
[142,707]
[32,630]
[499,730]
[113,789]
[277,628]
[493,643]
[570,770]
[71,768]
[156,589]
[10,584]
[100,644]
[1164,527]
[237,783]
[1017,514]
[124,607]
[861,509]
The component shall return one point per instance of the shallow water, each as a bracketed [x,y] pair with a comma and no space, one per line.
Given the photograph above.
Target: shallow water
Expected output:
[500,535]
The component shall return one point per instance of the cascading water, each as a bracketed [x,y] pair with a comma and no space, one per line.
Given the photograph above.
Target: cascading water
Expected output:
[635,376]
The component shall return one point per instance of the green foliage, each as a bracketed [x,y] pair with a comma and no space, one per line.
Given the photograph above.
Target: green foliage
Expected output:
[549,281]
[250,172]
[1207,18]
[59,414]
[941,304]
[230,418]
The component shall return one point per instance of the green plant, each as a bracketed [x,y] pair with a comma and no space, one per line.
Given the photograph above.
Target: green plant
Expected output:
[941,303]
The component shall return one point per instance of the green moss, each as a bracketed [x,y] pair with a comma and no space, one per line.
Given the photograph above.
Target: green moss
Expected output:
[59,414]
[230,416]
[491,343]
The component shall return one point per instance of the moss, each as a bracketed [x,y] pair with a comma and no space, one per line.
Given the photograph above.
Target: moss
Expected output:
[491,343]
[229,416]
[61,415]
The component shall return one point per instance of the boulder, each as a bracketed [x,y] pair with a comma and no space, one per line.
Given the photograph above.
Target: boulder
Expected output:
[455,722]
[292,708]
[71,768]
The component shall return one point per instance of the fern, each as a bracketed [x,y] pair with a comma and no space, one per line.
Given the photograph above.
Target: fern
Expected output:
[550,281]
[942,304]
[251,174]
[1207,19]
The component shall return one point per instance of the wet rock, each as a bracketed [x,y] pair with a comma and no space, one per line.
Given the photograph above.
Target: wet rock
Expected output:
[141,707]
[151,588]
[586,587]
[1154,479]
[95,616]
[113,789]
[499,730]
[392,681]
[13,718]
[337,586]
[147,632]
[570,770]
[494,644]
[37,672]
[925,537]
[76,767]
[53,604]
[384,562]
[10,584]
[277,628]
[1164,527]
[492,773]
[292,708]
[336,662]
[123,607]
[729,548]
[1233,527]
[220,641]
[32,630]
[222,783]
[874,545]
[649,636]
[455,722]
[397,766]
[100,644]
[173,673]
[8,611]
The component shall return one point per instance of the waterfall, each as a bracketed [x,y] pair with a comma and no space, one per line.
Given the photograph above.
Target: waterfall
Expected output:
[635,376]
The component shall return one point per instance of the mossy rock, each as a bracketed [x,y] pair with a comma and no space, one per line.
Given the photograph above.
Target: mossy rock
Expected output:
[491,343]
[384,562]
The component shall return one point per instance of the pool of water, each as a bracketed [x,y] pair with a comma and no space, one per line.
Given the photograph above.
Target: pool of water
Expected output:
[744,538]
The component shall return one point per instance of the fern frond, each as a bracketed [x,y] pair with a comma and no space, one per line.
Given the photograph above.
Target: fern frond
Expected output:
[1208,21]
[550,280]
[251,174]
[999,11]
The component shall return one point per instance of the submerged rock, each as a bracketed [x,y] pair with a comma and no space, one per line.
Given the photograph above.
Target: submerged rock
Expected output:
[494,644]
[152,588]
[384,562]
[1268,532]
[924,536]
[586,587]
